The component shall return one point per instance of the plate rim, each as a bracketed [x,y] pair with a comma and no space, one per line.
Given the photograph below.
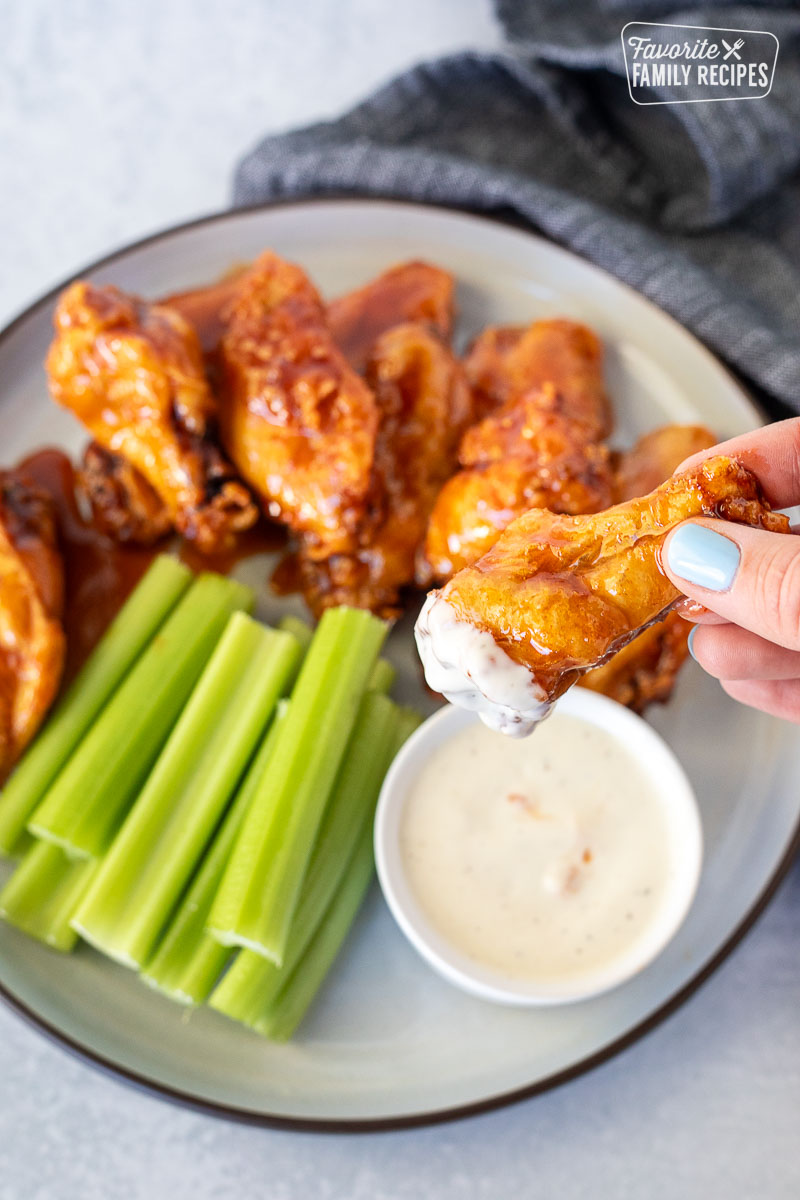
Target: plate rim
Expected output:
[247,1116]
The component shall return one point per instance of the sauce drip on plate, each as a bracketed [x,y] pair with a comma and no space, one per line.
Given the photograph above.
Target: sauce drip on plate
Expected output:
[263,538]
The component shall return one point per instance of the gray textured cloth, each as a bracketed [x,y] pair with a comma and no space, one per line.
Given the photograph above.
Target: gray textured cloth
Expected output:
[694,205]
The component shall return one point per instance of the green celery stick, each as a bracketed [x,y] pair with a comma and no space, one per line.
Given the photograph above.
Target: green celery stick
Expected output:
[137,621]
[299,628]
[252,980]
[383,673]
[189,961]
[382,677]
[22,845]
[88,800]
[156,851]
[261,885]
[295,997]
[42,894]
[302,986]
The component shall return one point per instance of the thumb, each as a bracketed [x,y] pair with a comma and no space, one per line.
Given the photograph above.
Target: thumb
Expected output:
[747,576]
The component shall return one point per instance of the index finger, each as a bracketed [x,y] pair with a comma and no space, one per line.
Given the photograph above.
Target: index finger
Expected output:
[772,453]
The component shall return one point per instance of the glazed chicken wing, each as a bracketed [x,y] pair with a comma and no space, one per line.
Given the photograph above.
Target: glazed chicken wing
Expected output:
[297,420]
[207,309]
[539,448]
[133,373]
[410,292]
[506,362]
[646,670]
[31,599]
[655,456]
[558,595]
[123,503]
[425,404]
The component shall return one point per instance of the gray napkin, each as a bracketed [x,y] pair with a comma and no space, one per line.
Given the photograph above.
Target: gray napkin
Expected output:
[694,205]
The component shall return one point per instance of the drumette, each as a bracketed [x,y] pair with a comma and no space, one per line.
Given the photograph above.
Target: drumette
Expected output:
[559,595]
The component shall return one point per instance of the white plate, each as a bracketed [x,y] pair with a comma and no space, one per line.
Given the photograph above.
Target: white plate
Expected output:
[389,1043]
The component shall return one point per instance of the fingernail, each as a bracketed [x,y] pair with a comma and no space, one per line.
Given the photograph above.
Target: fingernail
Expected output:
[702,556]
[690,642]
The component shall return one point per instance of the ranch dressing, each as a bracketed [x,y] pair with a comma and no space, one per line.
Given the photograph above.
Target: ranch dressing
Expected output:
[466,666]
[543,859]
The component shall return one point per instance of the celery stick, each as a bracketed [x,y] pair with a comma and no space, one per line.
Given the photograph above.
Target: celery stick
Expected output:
[42,894]
[261,885]
[137,621]
[280,1016]
[189,961]
[88,800]
[166,832]
[382,677]
[252,980]
[295,997]
[383,673]
[299,628]
[23,844]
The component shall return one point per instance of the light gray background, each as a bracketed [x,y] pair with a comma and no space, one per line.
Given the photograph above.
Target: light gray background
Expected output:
[117,119]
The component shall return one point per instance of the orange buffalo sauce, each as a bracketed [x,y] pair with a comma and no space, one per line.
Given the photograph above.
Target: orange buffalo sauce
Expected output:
[263,538]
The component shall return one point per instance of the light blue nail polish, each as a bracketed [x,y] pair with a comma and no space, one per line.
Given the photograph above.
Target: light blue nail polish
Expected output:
[690,642]
[703,556]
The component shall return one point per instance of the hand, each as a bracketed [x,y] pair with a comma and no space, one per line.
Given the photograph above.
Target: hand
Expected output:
[746,583]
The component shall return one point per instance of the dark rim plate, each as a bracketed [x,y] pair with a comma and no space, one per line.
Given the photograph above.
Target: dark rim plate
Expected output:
[250,1117]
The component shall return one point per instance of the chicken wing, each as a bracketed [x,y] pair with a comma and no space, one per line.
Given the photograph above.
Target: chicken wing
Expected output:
[410,292]
[506,362]
[495,365]
[32,643]
[646,670]
[425,404]
[539,448]
[123,503]
[558,595]
[133,373]
[296,419]
[207,309]
[655,456]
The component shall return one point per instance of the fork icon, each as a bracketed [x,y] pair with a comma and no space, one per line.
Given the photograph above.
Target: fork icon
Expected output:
[734,49]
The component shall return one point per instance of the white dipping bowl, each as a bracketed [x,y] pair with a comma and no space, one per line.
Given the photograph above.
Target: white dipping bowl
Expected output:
[670,786]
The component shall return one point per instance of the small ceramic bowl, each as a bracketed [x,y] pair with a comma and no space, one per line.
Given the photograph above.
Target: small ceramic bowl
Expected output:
[670,786]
